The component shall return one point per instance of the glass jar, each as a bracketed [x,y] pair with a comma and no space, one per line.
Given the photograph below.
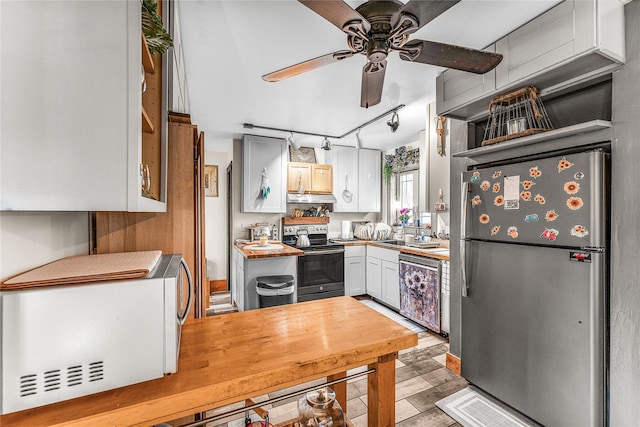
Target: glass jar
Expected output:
[319,408]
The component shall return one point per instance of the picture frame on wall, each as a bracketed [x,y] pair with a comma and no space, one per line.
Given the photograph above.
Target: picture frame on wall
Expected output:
[302,155]
[211,180]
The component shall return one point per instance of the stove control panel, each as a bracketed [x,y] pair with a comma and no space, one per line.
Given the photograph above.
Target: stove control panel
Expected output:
[292,230]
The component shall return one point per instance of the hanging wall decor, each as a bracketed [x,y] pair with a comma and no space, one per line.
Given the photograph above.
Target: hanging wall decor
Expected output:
[264,184]
[211,181]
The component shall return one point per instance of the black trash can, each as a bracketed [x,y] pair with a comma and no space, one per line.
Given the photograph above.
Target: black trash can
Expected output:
[275,290]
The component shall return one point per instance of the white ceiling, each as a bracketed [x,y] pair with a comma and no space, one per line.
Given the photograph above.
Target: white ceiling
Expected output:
[229,45]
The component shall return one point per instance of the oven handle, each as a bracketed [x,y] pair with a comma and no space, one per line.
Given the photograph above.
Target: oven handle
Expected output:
[327,252]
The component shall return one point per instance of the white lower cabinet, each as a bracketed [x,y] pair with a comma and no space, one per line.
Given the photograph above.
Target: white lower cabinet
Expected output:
[374,278]
[382,275]
[390,283]
[355,270]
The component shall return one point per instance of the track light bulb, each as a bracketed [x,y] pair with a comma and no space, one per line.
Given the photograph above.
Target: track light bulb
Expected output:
[394,122]
[295,145]
[326,145]
[358,140]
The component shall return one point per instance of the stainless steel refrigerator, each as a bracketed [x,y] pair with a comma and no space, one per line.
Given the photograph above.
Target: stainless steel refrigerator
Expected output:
[534,284]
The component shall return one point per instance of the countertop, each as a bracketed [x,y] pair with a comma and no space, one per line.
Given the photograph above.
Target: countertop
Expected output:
[231,357]
[441,252]
[286,250]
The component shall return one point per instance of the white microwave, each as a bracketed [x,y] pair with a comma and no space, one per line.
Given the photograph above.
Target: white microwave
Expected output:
[63,342]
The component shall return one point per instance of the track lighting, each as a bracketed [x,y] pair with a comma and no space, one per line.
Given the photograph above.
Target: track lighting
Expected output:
[295,145]
[394,122]
[326,145]
[358,140]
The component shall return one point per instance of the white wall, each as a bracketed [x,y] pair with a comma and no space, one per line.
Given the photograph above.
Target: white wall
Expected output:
[438,171]
[215,219]
[31,239]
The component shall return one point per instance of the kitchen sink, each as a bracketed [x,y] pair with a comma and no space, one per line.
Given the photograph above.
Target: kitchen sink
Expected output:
[392,242]
[422,245]
[419,245]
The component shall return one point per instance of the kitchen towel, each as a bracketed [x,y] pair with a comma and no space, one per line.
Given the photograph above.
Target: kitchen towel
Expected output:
[86,268]
[345,229]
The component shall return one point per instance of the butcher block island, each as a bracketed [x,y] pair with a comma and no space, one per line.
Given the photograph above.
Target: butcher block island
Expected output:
[231,357]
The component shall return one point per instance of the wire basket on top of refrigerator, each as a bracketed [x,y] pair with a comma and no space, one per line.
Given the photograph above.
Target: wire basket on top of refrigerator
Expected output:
[515,114]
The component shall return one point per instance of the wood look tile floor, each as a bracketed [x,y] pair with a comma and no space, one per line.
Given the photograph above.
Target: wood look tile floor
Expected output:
[421,380]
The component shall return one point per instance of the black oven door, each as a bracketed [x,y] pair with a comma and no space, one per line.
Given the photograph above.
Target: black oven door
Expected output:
[320,274]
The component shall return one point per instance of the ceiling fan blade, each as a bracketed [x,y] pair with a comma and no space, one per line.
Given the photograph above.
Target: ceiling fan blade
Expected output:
[424,10]
[309,65]
[372,81]
[337,12]
[450,56]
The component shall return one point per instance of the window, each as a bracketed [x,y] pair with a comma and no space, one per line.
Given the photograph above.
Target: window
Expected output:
[405,194]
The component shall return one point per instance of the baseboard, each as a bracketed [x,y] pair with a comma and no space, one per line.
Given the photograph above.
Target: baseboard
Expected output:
[453,363]
[217,285]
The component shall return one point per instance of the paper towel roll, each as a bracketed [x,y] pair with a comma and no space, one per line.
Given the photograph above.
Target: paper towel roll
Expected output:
[345,229]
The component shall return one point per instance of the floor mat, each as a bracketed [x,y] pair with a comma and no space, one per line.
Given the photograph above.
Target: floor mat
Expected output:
[473,408]
[393,315]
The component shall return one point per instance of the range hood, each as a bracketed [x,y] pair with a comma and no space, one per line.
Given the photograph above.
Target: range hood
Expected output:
[310,198]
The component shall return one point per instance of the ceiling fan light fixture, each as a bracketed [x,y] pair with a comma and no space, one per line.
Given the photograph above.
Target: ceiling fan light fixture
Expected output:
[394,122]
[326,144]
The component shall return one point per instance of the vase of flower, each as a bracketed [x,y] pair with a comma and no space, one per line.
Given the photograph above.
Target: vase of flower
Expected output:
[404,216]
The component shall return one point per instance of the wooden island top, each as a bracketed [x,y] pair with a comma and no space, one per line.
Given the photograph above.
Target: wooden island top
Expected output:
[231,357]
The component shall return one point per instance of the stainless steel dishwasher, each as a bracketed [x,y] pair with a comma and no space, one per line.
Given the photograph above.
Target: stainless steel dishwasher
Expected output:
[420,298]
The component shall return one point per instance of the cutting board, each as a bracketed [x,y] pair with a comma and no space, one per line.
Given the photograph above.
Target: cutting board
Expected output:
[86,268]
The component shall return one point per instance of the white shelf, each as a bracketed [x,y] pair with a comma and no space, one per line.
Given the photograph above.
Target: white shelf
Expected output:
[591,126]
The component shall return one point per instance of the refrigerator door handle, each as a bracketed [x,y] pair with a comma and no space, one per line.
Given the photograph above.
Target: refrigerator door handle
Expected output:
[463,223]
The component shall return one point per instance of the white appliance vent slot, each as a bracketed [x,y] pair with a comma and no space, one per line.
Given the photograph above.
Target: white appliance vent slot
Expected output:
[74,375]
[53,380]
[96,371]
[28,385]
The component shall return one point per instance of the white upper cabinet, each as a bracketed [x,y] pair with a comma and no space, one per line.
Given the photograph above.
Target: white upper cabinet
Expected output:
[71,106]
[264,164]
[456,87]
[345,177]
[570,30]
[369,180]
[574,41]
[359,172]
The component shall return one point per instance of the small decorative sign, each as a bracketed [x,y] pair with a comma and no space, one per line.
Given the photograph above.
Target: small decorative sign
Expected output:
[211,180]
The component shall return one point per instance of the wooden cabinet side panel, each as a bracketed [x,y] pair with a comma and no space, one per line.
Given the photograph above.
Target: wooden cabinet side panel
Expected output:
[152,142]
[173,231]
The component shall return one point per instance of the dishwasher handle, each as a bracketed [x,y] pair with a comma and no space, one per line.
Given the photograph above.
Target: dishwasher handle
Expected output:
[419,260]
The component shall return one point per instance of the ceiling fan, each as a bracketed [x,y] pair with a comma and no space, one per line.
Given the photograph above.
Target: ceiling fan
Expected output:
[378,26]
